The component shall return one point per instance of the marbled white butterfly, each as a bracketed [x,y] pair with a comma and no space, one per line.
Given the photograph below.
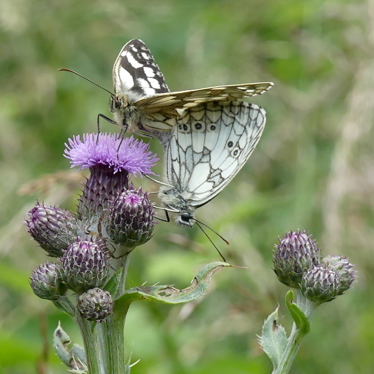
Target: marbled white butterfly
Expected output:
[142,100]
[204,152]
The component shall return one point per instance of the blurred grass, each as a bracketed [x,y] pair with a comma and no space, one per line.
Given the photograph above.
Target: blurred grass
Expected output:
[312,169]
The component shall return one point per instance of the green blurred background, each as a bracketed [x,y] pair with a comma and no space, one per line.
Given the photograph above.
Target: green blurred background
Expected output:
[312,169]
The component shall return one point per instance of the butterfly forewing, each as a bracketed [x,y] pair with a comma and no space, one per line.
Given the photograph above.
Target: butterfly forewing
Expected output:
[165,103]
[142,100]
[206,149]
[135,72]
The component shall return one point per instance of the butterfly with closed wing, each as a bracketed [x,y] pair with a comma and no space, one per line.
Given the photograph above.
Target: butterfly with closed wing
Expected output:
[208,134]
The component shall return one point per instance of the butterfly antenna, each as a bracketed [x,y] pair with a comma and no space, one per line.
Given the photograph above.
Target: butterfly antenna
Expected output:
[199,224]
[87,79]
[219,235]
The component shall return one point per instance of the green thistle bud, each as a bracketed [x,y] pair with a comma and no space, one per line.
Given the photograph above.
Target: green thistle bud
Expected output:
[344,269]
[293,256]
[320,284]
[95,304]
[45,282]
[84,265]
[53,228]
[131,219]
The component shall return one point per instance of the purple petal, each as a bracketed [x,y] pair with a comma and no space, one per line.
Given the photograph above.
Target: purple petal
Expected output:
[118,154]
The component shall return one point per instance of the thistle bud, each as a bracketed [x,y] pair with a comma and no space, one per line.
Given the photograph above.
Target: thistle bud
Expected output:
[53,228]
[294,255]
[320,284]
[45,282]
[95,304]
[131,220]
[84,265]
[344,269]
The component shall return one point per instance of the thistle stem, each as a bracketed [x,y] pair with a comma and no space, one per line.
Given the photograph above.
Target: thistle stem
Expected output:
[91,345]
[122,282]
[296,336]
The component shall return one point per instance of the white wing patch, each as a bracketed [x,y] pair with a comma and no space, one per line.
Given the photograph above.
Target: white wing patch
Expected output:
[205,150]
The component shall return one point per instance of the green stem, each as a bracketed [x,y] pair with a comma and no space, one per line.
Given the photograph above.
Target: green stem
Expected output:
[111,331]
[113,341]
[122,282]
[296,336]
[63,303]
[91,346]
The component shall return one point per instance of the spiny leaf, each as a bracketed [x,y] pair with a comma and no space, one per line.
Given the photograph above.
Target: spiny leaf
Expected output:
[170,295]
[274,339]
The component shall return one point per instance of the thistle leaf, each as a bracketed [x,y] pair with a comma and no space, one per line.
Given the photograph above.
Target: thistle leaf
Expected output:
[167,294]
[274,338]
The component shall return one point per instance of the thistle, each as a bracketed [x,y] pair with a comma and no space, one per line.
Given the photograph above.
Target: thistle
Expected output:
[84,265]
[93,248]
[294,254]
[95,304]
[298,264]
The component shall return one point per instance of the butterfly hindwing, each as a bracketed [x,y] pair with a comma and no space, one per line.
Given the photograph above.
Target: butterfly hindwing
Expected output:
[206,149]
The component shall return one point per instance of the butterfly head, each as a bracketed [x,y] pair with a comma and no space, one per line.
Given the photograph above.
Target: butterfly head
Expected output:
[117,103]
[186,219]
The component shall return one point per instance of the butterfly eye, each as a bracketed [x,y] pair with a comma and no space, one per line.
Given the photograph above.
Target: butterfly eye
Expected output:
[115,103]
[185,219]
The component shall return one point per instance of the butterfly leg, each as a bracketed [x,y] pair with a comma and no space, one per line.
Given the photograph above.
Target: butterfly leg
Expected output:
[167,217]
[98,123]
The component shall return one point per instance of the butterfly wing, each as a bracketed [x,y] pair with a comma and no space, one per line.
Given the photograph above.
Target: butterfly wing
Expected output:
[208,147]
[142,100]
[136,74]
[165,104]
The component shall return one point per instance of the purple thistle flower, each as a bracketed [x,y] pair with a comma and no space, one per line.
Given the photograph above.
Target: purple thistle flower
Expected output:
[118,154]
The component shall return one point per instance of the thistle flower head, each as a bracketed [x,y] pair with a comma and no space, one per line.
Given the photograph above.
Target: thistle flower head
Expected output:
[131,220]
[53,228]
[84,265]
[45,282]
[116,153]
[294,255]
[95,304]
[111,160]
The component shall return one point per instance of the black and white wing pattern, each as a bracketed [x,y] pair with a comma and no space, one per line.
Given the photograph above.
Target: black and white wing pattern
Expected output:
[136,77]
[205,150]
[142,100]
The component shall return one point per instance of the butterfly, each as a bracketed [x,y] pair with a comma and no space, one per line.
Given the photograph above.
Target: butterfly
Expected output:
[204,151]
[142,100]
